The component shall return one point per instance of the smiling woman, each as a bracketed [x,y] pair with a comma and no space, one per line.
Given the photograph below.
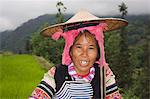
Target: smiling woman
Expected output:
[84,73]
[84,53]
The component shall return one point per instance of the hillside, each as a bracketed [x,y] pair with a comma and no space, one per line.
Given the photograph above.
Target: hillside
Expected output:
[16,40]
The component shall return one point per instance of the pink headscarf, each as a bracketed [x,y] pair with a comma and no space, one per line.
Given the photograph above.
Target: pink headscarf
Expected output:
[70,36]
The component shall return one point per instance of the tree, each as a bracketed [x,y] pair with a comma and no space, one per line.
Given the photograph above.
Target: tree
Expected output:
[46,47]
[123,9]
[125,67]
[61,8]
[142,82]
[112,41]
[28,46]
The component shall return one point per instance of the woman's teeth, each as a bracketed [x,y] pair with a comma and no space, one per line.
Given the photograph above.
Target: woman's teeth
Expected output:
[83,62]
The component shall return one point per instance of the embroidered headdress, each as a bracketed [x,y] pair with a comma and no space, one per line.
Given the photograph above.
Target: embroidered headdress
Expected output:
[83,20]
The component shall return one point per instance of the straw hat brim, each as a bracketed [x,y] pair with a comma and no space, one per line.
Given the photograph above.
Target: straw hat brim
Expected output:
[113,24]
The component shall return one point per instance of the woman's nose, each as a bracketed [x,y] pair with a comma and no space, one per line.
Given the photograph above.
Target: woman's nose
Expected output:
[84,53]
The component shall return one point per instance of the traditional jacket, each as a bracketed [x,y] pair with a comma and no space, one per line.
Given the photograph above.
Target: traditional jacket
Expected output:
[58,84]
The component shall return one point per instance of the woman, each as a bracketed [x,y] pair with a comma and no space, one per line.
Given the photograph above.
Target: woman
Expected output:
[84,73]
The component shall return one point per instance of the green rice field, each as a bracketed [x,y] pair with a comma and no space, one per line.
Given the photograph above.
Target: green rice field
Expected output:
[19,75]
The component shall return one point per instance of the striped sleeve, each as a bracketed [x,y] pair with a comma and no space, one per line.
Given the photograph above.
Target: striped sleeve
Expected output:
[112,91]
[46,88]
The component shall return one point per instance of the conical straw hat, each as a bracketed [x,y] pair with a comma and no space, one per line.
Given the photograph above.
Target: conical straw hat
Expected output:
[84,16]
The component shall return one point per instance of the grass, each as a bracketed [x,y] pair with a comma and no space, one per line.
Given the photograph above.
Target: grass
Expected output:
[19,75]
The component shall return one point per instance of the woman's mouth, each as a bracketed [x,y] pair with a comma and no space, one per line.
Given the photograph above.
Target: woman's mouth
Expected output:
[83,62]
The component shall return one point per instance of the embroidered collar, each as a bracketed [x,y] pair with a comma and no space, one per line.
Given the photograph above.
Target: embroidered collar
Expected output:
[74,75]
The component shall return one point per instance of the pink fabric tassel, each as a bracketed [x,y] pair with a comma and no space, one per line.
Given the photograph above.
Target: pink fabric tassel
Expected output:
[57,35]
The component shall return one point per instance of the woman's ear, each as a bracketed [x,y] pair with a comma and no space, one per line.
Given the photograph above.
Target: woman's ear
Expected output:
[70,53]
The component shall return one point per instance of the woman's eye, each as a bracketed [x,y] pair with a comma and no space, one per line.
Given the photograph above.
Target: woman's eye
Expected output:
[78,46]
[91,48]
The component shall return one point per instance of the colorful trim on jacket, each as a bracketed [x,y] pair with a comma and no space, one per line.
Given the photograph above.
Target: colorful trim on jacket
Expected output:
[74,75]
[112,91]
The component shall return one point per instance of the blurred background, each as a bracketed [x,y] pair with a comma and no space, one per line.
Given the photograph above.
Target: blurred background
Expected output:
[25,55]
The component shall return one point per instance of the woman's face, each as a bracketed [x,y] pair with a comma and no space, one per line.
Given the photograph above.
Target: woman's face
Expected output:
[84,53]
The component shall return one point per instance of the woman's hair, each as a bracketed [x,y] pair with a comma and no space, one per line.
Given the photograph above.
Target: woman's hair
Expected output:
[88,35]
